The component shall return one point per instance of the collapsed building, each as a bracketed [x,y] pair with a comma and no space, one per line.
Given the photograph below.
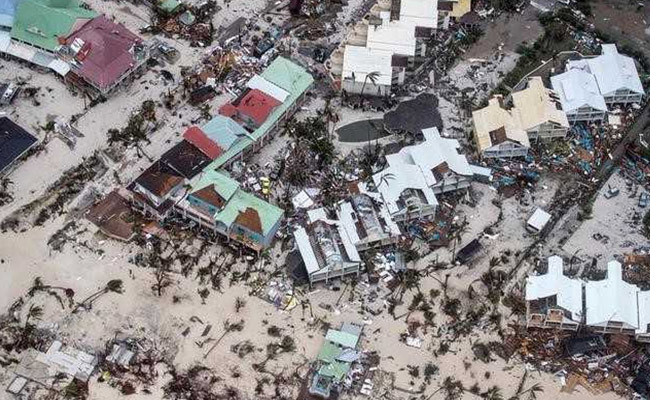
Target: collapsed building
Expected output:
[381,49]
[608,306]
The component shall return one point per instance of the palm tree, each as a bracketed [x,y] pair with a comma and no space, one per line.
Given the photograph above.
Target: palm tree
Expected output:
[493,393]
[372,77]
[5,195]
[112,286]
[34,312]
[228,327]
[385,178]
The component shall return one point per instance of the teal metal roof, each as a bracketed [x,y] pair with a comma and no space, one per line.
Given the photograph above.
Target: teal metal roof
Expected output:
[336,370]
[224,131]
[268,213]
[42,22]
[329,352]
[290,77]
[344,339]
[237,200]
[224,185]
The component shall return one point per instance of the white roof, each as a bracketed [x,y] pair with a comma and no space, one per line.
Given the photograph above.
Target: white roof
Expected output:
[644,311]
[612,299]
[396,37]
[568,291]
[302,200]
[306,251]
[612,71]
[383,210]
[5,40]
[345,216]
[259,83]
[358,62]
[420,13]
[59,66]
[347,233]
[539,219]
[578,88]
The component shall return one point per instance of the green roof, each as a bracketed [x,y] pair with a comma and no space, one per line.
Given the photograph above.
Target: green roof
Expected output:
[42,22]
[224,131]
[237,200]
[288,76]
[224,185]
[336,370]
[168,5]
[344,339]
[329,352]
[268,213]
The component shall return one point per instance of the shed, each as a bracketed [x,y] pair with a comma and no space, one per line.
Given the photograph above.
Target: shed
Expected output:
[538,220]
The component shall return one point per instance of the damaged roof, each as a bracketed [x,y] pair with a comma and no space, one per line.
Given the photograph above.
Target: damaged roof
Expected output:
[42,22]
[536,105]
[578,88]
[494,124]
[568,291]
[106,51]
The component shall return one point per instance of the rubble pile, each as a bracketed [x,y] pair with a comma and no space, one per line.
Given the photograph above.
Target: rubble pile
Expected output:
[193,23]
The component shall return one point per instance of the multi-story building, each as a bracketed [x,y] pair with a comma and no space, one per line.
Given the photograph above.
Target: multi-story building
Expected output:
[616,75]
[539,111]
[498,132]
[327,248]
[580,97]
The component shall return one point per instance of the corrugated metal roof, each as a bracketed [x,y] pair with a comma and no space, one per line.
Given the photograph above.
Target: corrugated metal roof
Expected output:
[495,117]
[344,339]
[42,22]
[224,131]
[359,62]
[536,105]
[306,251]
[578,88]
[259,83]
[612,299]
[568,291]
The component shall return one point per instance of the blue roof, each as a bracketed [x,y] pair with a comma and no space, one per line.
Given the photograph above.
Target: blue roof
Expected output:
[223,131]
[7,11]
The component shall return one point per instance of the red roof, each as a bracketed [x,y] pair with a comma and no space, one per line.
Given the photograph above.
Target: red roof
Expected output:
[200,140]
[106,53]
[255,104]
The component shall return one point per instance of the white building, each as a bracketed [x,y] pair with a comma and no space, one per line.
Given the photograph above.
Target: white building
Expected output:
[539,111]
[327,248]
[417,173]
[395,33]
[607,306]
[367,223]
[616,75]
[580,97]
[498,132]
[538,220]
[612,303]
[553,300]
[368,71]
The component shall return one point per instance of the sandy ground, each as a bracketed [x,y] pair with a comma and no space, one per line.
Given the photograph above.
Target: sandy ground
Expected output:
[612,218]
[138,312]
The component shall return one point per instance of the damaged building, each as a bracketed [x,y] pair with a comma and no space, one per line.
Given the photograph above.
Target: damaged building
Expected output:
[102,55]
[413,176]
[609,306]
[540,111]
[498,131]
[382,48]
[590,85]
[268,101]
[327,248]
[218,203]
